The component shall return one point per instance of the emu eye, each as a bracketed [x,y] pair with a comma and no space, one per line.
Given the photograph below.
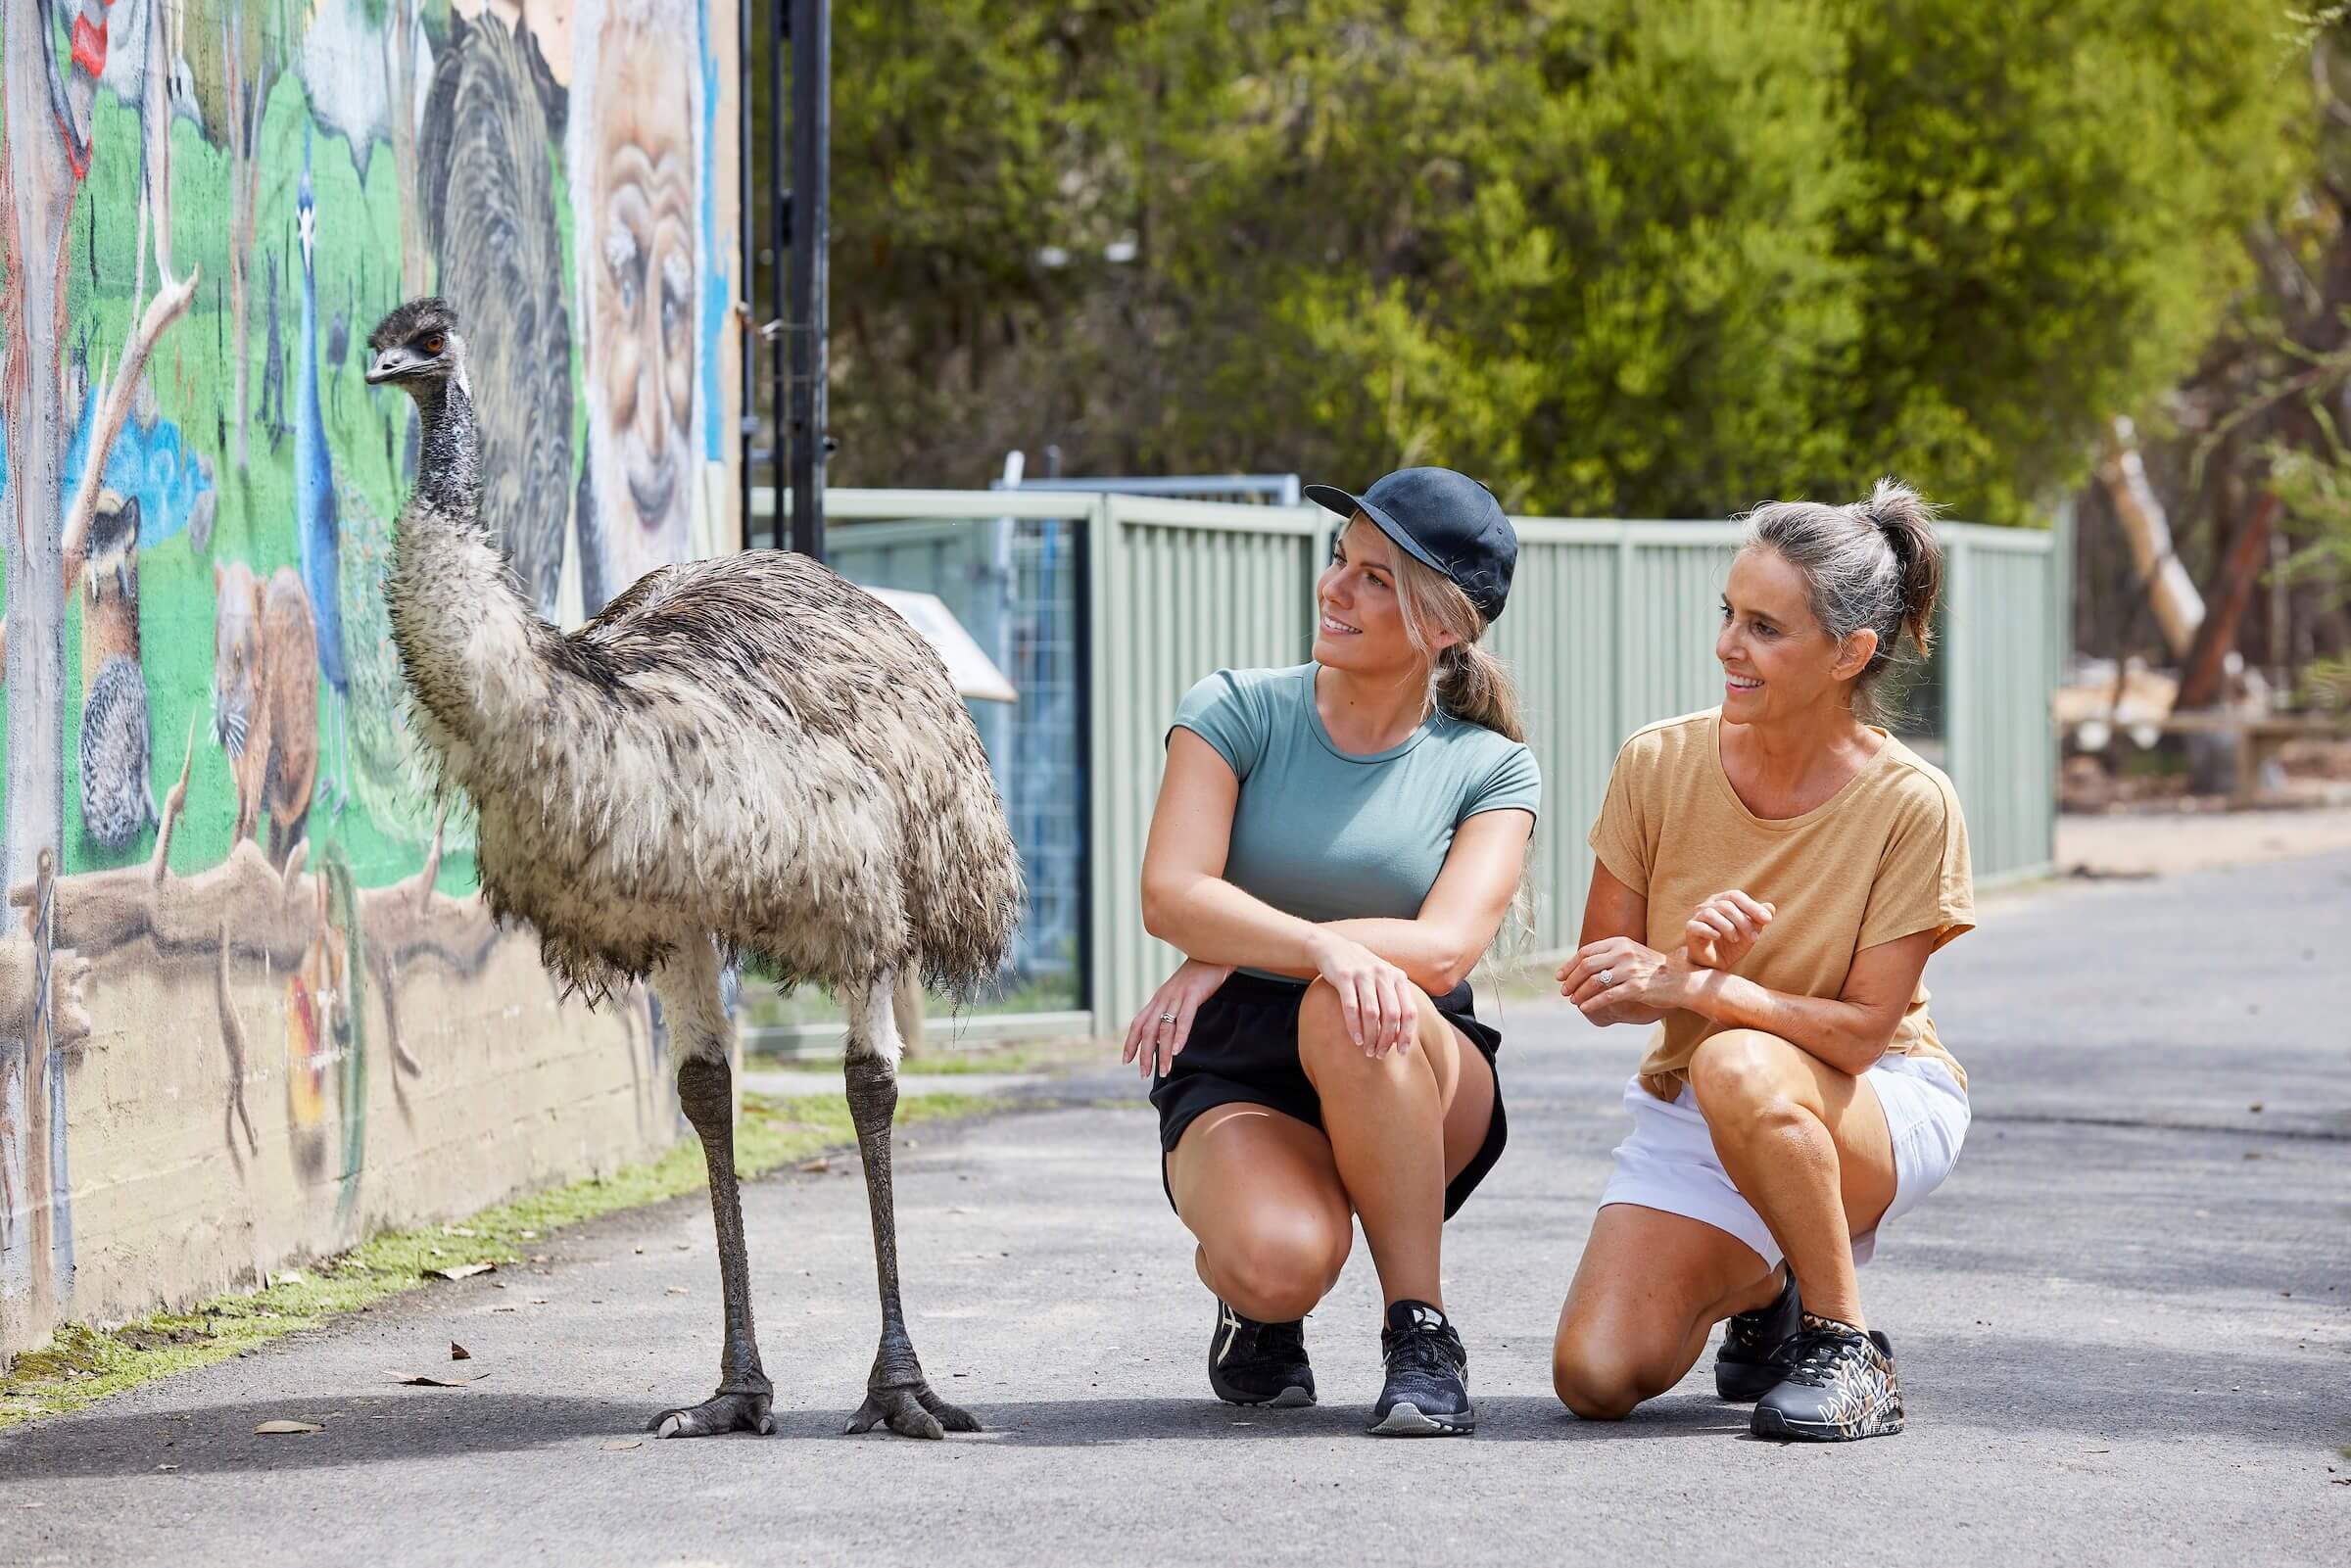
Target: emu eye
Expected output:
[432,344]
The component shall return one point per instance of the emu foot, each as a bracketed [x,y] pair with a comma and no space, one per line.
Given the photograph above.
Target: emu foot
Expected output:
[721,1412]
[911,1410]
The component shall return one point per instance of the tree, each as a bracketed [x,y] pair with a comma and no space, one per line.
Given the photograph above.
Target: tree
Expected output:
[1640,260]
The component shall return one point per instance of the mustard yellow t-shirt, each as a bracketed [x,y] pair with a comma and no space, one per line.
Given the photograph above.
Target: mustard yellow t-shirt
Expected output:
[1884,858]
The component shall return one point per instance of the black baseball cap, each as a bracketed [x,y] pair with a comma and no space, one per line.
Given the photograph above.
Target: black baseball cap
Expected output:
[1444,520]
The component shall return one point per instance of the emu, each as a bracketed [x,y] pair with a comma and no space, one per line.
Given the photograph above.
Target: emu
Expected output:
[746,755]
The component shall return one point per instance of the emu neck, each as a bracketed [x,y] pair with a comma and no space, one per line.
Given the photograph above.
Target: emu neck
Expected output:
[468,639]
[449,465]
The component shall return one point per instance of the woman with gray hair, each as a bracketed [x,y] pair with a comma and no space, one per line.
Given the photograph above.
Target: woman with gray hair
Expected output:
[1772,876]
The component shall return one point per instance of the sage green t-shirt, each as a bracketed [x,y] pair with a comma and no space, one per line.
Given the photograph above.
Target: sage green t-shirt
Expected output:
[1327,834]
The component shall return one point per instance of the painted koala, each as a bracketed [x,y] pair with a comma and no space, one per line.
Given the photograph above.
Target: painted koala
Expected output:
[266,698]
[118,800]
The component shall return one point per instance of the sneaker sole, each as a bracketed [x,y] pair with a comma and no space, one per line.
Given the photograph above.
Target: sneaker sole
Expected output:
[1745,1382]
[1770,1423]
[1405,1420]
[1293,1398]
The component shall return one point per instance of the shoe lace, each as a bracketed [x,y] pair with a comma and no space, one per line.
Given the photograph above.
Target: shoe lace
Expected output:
[1817,1352]
[1431,1351]
[1276,1344]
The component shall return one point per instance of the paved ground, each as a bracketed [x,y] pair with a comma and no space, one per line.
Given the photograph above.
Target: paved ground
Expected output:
[2138,843]
[2125,1329]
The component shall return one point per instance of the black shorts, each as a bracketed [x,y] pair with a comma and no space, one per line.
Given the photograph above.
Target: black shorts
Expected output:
[1244,1048]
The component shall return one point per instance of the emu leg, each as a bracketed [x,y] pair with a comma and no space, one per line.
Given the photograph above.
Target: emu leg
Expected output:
[895,1393]
[707,1094]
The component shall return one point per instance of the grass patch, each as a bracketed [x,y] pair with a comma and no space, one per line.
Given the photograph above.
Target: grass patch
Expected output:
[953,1061]
[81,1366]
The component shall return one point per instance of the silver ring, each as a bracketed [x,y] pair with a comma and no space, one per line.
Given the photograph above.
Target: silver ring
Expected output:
[1607,977]
[1166,1017]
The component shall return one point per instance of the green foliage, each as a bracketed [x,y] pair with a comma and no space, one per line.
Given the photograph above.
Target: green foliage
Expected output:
[2056,197]
[1622,258]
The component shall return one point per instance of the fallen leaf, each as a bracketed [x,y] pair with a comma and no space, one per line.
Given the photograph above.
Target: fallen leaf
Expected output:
[674,1290]
[539,1257]
[460,1231]
[530,1235]
[433,1380]
[538,1301]
[167,1467]
[285,1429]
[459,1353]
[629,1443]
[505,1308]
[461,1270]
[814,1168]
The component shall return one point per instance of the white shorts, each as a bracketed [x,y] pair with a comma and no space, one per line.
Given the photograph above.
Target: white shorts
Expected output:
[1669,1162]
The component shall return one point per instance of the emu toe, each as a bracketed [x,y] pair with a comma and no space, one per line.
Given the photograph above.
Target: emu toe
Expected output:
[911,1410]
[721,1412]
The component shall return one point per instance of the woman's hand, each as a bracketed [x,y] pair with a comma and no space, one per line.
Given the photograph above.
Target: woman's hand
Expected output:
[1376,997]
[1617,981]
[1723,928]
[1160,1029]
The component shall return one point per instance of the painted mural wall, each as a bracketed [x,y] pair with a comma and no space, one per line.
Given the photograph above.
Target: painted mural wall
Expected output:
[251,1007]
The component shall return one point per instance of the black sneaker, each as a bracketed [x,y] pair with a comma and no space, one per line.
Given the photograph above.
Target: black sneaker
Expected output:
[1250,1362]
[1426,1396]
[1841,1386]
[1757,1346]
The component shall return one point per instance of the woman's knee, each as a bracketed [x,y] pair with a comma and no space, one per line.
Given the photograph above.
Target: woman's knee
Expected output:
[1741,1079]
[1328,1052]
[1602,1376]
[1275,1267]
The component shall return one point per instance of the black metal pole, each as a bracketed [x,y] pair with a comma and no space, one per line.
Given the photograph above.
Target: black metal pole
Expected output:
[747,422]
[778,311]
[811,169]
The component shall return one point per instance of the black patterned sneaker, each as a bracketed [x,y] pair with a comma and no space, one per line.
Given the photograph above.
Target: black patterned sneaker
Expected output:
[1250,1362]
[1841,1385]
[1756,1346]
[1426,1396]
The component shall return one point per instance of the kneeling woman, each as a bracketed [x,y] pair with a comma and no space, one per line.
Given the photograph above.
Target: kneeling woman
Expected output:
[1771,878]
[1347,835]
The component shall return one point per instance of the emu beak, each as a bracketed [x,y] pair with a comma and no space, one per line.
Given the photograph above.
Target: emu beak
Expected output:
[390,365]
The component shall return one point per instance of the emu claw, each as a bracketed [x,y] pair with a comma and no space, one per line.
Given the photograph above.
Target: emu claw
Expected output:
[721,1412]
[911,1410]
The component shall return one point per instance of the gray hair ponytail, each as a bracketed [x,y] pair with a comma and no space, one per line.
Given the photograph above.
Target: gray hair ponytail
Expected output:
[1873,565]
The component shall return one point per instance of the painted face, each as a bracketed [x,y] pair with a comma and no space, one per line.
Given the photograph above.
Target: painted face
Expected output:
[1776,658]
[642,331]
[1361,622]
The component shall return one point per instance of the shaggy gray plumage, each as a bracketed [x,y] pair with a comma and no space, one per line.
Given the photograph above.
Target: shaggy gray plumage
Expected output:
[740,755]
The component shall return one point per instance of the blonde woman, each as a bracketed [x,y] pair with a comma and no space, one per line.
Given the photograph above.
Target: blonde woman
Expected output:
[1335,846]
[1773,876]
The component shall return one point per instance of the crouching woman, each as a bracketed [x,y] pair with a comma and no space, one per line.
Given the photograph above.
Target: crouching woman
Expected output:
[1334,847]
[1772,876]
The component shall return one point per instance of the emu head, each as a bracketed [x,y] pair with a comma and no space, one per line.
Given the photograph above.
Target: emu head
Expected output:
[417,345]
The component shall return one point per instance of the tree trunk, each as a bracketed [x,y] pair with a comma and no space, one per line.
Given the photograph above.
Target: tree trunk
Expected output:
[245,102]
[2178,608]
[36,194]
[40,203]
[415,267]
[2200,680]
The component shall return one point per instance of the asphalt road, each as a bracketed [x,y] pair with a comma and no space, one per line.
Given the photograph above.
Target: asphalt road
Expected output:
[2124,1328]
